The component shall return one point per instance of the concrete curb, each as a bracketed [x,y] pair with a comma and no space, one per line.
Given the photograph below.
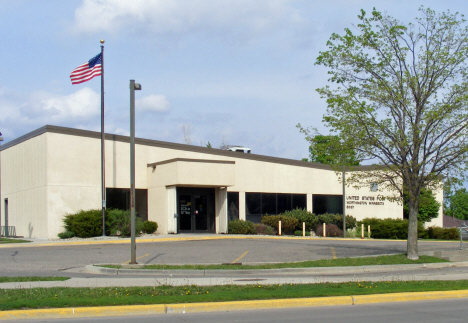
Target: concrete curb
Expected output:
[175,239]
[226,306]
[95,269]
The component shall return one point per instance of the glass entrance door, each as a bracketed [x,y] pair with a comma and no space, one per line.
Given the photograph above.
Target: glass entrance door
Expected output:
[196,210]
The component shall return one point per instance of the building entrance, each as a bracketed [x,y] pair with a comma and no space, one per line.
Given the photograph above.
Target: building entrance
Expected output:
[196,209]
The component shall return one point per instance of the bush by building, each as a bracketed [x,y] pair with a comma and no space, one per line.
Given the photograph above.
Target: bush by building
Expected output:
[149,227]
[443,233]
[302,216]
[85,224]
[264,229]
[241,227]
[331,230]
[337,219]
[391,228]
[288,223]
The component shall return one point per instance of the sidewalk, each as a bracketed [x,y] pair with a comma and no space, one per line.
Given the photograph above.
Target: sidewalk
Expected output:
[145,277]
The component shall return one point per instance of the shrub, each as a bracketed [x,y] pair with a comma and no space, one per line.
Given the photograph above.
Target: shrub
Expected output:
[299,233]
[391,228]
[85,224]
[288,223]
[120,221]
[443,233]
[241,227]
[264,229]
[337,219]
[66,235]
[149,227]
[302,215]
[332,230]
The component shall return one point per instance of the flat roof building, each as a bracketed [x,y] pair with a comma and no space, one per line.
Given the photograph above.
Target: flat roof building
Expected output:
[54,171]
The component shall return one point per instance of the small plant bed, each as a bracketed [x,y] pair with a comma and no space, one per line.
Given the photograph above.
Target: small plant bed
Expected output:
[30,279]
[340,262]
[75,297]
[10,240]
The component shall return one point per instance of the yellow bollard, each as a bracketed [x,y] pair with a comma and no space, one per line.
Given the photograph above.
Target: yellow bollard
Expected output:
[303,229]
[368,231]
[362,231]
[324,230]
[279,228]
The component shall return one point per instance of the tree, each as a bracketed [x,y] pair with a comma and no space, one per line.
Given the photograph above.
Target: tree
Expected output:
[400,98]
[428,205]
[458,207]
[328,150]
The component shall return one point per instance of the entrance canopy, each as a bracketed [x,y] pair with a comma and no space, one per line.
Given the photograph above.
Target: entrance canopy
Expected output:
[192,172]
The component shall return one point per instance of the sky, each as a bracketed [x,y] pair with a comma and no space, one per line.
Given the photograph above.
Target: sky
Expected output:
[233,71]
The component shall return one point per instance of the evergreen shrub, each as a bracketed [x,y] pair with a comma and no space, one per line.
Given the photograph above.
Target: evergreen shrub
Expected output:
[288,223]
[149,227]
[391,228]
[241,227]
[443,233]
[85,224]
[302,215]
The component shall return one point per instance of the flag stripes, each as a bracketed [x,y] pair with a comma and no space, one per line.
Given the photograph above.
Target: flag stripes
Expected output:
[86,71]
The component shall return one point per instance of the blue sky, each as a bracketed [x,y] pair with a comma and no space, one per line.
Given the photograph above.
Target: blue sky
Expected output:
[239,72]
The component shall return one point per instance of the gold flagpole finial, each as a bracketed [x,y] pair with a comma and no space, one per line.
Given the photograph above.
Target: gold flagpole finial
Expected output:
[102,41]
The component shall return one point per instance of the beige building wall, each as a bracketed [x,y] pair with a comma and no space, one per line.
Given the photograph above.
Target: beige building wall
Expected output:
[24,179]
[59,172]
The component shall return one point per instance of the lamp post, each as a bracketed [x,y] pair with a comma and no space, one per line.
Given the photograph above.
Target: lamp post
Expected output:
[133,86]
[1,139]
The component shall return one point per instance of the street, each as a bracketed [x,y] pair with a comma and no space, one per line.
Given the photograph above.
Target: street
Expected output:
[447,311]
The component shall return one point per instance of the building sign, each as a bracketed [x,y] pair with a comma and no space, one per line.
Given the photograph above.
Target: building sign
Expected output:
[353,200]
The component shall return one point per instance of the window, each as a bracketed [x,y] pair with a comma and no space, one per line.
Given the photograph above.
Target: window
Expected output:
[327,204]
[119,198]
[258,204]
[233,205]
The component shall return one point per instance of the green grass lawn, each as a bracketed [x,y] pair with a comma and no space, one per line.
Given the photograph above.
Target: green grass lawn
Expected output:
[9,240]
[340,262]
[76,297]
[30,279]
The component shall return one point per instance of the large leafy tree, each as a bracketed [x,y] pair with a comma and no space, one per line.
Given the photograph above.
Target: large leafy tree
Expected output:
[399,96]
[327,149]
[428,205]
[458,206]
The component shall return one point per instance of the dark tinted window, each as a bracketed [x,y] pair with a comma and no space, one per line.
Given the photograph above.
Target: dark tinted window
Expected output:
[233,205]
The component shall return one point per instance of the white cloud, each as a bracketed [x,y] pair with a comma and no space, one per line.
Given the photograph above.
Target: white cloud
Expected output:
[182,17]
[152,103]
[83,103]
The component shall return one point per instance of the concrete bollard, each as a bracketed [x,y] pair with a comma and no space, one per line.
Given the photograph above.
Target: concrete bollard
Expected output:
[324,230]
[303,229]
[279,228]
[368,231]
[362,231]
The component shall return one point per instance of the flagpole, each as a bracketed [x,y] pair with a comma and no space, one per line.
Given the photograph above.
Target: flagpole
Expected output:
[103,157]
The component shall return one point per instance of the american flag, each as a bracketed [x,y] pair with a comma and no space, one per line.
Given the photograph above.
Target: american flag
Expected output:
[87,71]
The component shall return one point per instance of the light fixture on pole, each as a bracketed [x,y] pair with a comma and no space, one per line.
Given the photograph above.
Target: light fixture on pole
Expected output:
[133,86]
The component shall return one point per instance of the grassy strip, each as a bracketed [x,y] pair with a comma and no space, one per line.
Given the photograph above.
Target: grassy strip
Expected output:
[30,279]
[341,262]
[75,297]
[8,240]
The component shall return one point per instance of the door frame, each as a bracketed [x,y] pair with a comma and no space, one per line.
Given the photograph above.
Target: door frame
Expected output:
[211,208]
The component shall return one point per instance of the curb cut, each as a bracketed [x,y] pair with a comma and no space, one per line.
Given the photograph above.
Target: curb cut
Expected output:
[226,306]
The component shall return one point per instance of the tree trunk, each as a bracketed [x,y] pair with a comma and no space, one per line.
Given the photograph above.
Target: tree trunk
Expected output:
[412,242]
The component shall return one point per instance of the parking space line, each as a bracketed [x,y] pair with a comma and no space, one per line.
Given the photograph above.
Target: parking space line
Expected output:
[236,260]
[333,252]
[127,262]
